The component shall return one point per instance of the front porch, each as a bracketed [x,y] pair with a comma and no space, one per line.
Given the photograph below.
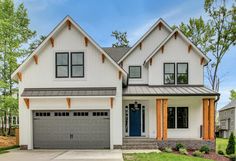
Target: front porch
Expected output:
[166,121]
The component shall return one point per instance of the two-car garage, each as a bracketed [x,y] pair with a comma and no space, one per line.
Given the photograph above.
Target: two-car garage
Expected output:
[71,129]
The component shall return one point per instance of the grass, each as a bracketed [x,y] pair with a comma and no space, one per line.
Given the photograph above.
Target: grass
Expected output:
[160,157]
[4,149]
[221,144]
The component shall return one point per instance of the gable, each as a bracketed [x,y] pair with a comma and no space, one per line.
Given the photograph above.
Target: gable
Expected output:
[156,33]
[67,22]
[190,47]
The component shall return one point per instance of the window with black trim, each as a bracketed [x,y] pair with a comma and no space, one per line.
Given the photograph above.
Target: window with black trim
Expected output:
[177,117]
[135,72]
[182,117]
[171,118]
[182,73]
[169,73]
[77,64]
[62,65]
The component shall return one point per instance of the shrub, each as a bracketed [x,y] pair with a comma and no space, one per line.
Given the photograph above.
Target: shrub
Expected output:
[205,149]
[179,146]
[167,150]
[231,145]
[183,151]
[232,157]
[197,153]
[220,152]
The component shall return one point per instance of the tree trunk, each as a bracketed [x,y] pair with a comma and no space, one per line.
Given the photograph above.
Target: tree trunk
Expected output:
[9,124]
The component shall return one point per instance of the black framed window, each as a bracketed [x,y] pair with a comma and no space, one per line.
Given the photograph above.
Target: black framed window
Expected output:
[62,65]
[182,73]
[169,73]
[182,117]
[143,118]
[171,118]
[77,64]
[135,71]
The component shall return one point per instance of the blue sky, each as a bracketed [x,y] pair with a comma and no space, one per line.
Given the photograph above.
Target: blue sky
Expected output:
[100,17]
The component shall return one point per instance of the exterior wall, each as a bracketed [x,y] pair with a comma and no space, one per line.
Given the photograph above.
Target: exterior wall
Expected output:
[43,76]
[195,116]
[137,57]
[227,122]
[176,50]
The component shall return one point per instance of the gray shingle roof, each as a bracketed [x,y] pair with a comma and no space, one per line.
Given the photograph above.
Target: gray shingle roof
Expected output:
[145,90]
[228,106]
[91,91]
[116,53]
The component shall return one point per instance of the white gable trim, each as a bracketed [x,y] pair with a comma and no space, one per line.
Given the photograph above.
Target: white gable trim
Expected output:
[145,35]
[55,30]
[185,39]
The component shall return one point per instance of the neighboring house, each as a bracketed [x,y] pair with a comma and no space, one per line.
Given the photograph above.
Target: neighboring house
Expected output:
[14,121]
[75,94]
[227,118]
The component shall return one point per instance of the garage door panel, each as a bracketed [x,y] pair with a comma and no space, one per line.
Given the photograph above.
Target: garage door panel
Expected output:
[74,129]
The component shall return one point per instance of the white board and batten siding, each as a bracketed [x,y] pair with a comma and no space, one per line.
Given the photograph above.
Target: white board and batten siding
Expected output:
[96,74]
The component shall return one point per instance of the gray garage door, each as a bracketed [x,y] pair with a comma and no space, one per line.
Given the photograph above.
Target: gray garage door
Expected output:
[71,129]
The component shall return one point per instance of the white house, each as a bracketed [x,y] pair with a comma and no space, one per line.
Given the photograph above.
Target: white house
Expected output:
[76,94]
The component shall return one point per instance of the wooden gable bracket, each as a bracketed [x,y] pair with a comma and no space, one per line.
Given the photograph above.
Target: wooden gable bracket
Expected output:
[68,102]
[202,61]
[160,25]
[111,102]
[120,75]
[176,34]
[189,48]
[140,45]
[36,59]
[162,49]
[68,24]
[86,41]
[103,58]
[52,41]
[19,75]
[151,61]
[27,102]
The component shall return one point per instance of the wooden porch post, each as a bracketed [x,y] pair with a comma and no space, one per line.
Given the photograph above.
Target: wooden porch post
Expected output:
[205,119]
[158,119]
[211,119]
[164,103]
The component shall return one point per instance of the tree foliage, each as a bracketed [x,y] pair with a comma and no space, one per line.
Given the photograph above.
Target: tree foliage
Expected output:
[36,43]
[121,39]
[232,95]
[14,33]
[231,144]
[215,35]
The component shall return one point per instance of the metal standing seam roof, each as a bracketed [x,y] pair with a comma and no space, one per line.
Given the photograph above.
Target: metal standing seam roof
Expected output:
[232,104]
[146,90]
[47,92]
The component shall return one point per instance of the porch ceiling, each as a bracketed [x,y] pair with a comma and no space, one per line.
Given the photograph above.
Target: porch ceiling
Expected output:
[86,91]
[146,90]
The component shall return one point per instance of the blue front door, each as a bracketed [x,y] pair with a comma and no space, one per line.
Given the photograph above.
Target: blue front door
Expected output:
[134,120]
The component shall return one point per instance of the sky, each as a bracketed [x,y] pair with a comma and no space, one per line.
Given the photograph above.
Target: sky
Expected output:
[100,17]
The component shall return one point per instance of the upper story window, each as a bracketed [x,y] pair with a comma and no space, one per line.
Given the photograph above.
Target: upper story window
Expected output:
[77,64]
[62,65]
[182,73]
[169,73]
[73,62]
[135,72]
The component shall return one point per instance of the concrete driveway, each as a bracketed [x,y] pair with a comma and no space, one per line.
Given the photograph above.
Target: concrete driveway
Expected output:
[62,155]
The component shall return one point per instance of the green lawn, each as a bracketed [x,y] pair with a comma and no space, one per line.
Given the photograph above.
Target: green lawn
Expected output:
[160,157]
[221,144]
[5,149]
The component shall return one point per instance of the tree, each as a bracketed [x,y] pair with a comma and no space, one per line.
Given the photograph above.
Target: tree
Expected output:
[121,38]
[214,36]
[14,33]
[36,43]
[232,95]
[231,145]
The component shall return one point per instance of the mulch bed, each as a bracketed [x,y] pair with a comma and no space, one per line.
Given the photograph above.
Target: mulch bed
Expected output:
[211,155]
[7,141]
